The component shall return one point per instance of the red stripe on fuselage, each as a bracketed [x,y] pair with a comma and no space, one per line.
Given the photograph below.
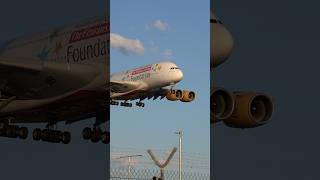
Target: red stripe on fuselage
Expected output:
[89,32]
[141,70]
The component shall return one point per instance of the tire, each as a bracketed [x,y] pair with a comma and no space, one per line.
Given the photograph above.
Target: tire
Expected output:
[105,137]
[66,137]
[96,135]
[23,133]
[86,133]
[36,134]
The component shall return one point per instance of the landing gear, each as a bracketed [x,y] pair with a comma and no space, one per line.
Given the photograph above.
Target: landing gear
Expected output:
[115,103]
[96,135]
[51,135]
[126,104]
[140,104]
[105,137]
[13,131]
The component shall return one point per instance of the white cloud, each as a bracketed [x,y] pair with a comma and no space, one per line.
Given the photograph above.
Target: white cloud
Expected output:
[168,53]
[153,47]
[125,45]
[160,25]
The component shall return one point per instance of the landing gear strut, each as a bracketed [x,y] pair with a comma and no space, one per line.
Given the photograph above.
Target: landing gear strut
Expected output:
[126,104]
[13,131]
[140,104]
[115,103]
[51,135]
[96,135]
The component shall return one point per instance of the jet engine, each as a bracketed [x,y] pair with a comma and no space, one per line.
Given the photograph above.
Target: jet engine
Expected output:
[174,95]
[251,110]
[221,104]
[187,96]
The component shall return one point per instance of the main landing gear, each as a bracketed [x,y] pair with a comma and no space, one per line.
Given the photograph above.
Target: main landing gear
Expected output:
[96,135]
[140,104]
[13,131]
[126,104]
[115,103]
[51,135]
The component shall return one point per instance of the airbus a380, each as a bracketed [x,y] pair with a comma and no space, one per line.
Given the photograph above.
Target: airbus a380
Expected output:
[146,82]
[56,76]
[237,109]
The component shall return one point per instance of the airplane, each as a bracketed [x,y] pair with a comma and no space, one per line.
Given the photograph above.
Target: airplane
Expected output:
[146,82]
[238,109]
[60,75]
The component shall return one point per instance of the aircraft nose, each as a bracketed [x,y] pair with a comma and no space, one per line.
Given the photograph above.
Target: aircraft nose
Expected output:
[179,75]
[221,43]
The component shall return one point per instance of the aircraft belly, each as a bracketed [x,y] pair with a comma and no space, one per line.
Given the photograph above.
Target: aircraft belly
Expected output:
[50,82]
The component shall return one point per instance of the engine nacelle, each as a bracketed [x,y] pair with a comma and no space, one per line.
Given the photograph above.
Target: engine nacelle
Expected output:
[251,110]
[188,96]
[221,104]
[174,95]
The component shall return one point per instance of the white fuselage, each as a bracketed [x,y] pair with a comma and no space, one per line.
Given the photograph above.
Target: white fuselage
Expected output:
[153,76]
[46,67]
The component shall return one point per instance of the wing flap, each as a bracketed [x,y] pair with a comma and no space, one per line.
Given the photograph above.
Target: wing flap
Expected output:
[125,88]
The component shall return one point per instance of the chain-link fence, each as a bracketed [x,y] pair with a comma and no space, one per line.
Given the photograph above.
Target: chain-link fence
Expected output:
[147,174]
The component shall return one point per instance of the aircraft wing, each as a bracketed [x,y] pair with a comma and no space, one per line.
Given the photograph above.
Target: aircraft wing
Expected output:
[125,88]
[21,63]
[76,107]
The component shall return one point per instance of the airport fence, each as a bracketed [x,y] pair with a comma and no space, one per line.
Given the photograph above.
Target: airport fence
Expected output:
[147,174]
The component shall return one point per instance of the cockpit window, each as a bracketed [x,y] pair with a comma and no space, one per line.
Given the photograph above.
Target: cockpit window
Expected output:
[174,68]
[215,21]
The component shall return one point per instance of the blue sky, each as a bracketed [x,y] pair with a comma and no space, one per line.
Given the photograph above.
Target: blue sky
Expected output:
[175,30]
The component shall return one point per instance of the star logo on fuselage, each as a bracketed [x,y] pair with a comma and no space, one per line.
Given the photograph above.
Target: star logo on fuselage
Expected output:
[57,48]
[156,67]
[43,54]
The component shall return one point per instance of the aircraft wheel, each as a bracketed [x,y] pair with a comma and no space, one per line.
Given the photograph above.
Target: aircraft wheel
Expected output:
[96,135]
[86,133]
[66,137]
[12,131]
[105,137]
[36,135]
[23,133]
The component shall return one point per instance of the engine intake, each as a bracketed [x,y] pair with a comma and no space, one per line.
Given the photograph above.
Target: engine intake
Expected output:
[188,96]
[174,95]
[251,110]
[221,104]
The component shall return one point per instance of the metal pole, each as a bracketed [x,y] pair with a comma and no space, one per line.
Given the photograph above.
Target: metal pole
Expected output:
[129,167]
[129,161]
[180,153]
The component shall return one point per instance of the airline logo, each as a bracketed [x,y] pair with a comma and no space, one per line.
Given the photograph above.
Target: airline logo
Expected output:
[89,32]
[156,67]
[141,70]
